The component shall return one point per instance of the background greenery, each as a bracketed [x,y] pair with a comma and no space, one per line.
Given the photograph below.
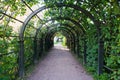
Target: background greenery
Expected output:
[106,11]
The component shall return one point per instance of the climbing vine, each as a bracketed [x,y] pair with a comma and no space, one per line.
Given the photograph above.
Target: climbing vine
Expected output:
[8,53]
[108,13]
[105,11]
[9,42]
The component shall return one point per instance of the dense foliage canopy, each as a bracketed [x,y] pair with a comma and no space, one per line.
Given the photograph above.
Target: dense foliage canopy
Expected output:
[78,24]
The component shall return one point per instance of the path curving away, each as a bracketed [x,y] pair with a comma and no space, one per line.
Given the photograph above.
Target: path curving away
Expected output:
[59,65]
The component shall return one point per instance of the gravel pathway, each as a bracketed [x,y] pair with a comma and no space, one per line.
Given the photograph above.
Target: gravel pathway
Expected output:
[59,65]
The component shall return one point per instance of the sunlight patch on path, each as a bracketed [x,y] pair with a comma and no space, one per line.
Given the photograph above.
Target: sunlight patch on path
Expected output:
[61,47]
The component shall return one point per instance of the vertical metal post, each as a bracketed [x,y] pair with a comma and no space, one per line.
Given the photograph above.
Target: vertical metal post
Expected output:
[85,55]
[74,45]
[70,44]
[78,46]
[38,48]
[21,59]
[44,46]
[100,56]
[35,51]
[41,47]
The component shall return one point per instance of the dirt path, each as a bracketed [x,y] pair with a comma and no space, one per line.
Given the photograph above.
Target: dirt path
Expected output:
[59,65]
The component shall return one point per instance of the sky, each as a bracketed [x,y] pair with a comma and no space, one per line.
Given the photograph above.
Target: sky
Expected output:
[17,25]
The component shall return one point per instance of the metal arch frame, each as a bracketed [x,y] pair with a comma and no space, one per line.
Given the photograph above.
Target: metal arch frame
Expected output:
[53,31]
[72,37]
[62,18]
[77,40]
[87,13]
[52,26]
[59,18]
[66,33]
[76,7]
[65,26]
[72,32]
[22,46]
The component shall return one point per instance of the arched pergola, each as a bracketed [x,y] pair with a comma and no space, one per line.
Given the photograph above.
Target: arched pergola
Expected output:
[75,7]
[91,30]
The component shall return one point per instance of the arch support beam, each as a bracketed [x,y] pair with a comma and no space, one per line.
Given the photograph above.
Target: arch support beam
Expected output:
[21,59]
[85,54]
[76,7]
[100,56]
